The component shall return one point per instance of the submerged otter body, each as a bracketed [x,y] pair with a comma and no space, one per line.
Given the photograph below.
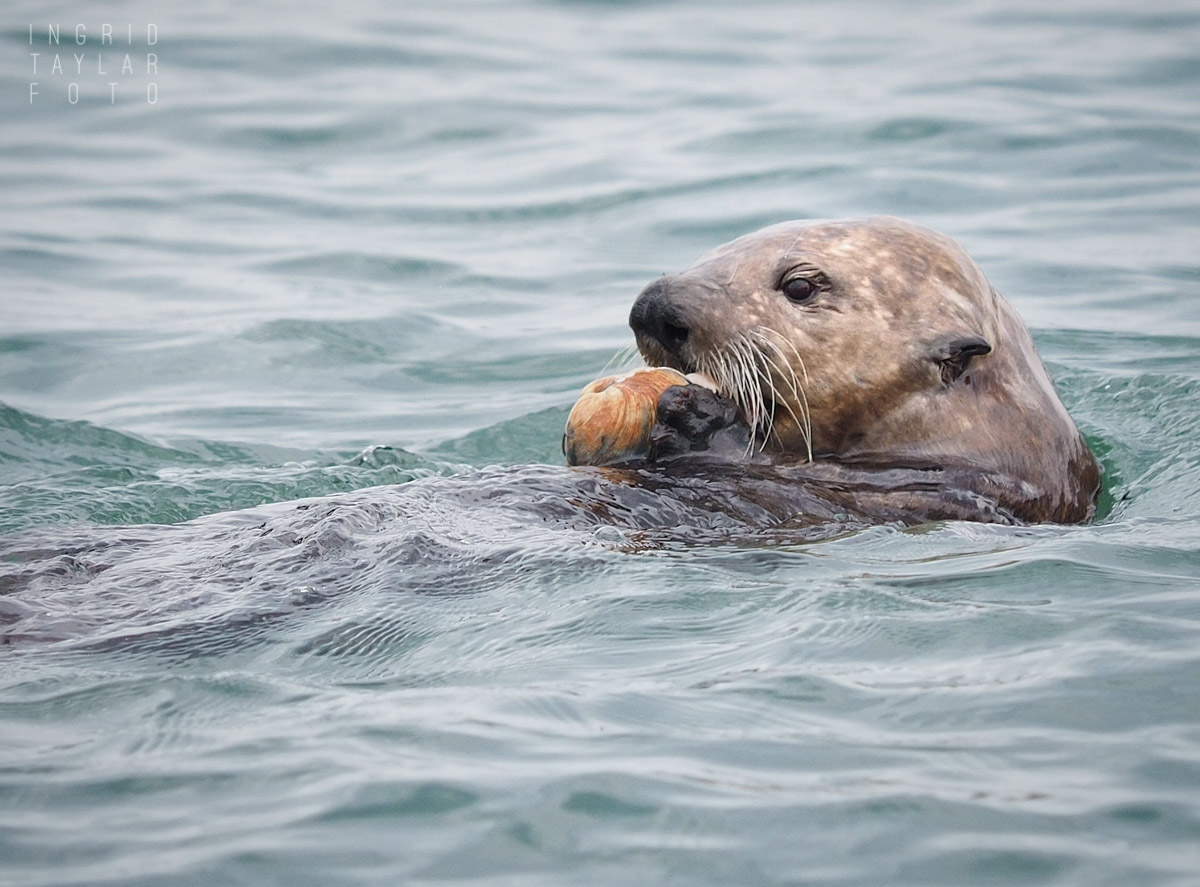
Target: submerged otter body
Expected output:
[223,579]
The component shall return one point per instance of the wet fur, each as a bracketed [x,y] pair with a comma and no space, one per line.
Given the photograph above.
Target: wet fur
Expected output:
[905,357]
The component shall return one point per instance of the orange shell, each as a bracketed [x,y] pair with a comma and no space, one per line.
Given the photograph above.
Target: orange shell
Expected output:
[612,419]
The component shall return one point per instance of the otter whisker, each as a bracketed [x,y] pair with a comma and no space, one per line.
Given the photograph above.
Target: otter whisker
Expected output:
[733,386]
[730,375]
[765,380]
[784,370]
[767,390]
[764,330]
[793,381]
[788,376]
[758,366]
[751,389]
[755,373]
[623,359]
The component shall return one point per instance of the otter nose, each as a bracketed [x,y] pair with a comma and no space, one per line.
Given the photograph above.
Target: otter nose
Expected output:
[656,315]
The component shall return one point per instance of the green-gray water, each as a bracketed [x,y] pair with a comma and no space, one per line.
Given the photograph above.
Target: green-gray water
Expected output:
[371,244]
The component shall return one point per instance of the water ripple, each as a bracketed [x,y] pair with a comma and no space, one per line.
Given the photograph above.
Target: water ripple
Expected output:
[345,256]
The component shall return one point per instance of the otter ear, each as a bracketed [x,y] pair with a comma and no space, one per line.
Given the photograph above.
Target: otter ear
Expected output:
[954,356]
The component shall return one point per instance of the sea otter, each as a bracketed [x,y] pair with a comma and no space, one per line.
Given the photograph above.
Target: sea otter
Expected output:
[820,378]
[870,352]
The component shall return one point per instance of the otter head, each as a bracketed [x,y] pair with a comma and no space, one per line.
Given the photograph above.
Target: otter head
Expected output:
[876,342]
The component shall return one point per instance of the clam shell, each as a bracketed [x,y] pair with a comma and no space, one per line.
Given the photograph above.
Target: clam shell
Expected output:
[612,419]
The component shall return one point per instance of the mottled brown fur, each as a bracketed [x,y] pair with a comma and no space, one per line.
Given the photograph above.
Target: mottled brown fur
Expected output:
[905,357]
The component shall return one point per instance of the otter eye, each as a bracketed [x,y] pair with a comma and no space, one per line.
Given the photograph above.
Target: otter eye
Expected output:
[800,289]
[802,283]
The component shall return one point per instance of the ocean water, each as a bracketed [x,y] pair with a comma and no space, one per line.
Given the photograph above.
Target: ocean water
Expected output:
[302,250]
